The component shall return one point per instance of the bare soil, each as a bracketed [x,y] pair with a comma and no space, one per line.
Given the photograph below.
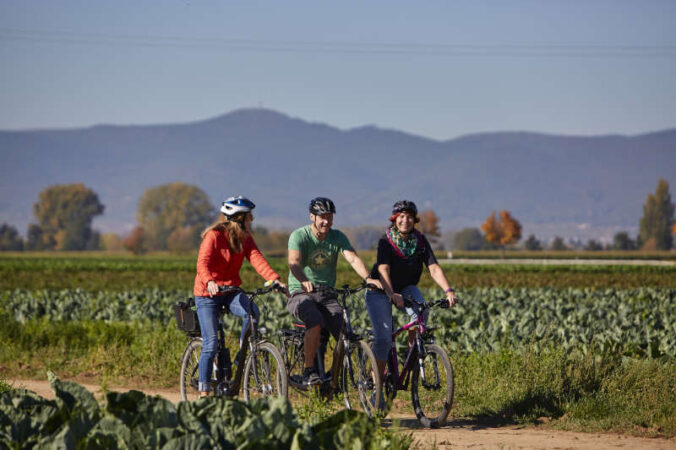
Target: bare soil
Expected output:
[457,434]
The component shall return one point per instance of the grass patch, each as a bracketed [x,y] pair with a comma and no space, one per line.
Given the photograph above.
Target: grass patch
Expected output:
[144,353]
[584,393]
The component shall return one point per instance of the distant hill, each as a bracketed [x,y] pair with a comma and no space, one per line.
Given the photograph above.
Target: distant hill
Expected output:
[282,162]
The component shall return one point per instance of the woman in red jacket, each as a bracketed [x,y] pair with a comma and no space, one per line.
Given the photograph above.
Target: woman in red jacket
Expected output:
[224,246]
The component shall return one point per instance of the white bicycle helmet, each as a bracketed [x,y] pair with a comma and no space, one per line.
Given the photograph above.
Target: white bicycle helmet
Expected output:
[238,204]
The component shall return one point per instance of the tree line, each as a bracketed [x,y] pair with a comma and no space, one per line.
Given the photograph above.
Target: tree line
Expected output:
[172,217]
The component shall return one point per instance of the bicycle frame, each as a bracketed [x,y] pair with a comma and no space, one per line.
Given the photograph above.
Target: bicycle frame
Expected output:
[417,350]
[227,384]
[346,336]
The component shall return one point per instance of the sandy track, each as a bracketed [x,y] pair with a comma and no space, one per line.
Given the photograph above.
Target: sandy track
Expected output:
[458,434]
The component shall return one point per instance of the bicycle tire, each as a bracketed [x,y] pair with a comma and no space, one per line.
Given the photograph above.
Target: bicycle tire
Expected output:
[264,373]
[362,389]
[190,370]
[433,399]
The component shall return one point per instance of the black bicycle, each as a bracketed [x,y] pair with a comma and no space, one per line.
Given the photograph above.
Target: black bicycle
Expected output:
[353,373]
[259,366]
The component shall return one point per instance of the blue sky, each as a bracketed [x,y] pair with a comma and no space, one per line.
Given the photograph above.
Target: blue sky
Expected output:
[440,69]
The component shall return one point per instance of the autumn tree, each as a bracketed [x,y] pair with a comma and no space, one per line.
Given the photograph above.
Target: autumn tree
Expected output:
[10,240]
[502,230]
[658,219]
[169,207]
[65,213]
[135,242]
[429,226]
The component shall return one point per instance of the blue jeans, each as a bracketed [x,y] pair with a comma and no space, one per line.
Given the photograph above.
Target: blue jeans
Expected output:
[380,311]
[207,313]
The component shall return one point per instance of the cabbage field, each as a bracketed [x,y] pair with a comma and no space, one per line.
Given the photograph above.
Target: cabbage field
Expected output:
[133,420]
[592,347]
[631,322]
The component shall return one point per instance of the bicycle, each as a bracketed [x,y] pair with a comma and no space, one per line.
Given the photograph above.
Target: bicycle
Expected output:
[353,372]
[431,389]
[259,365]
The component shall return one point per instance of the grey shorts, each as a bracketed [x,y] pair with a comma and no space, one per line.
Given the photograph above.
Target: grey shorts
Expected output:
[316,309]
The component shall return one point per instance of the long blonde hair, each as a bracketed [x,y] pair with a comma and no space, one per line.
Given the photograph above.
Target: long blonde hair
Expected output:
[233,227]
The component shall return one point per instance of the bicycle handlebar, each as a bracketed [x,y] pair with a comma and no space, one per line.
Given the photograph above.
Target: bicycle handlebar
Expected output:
[345,290]
[442,303]
[260,291]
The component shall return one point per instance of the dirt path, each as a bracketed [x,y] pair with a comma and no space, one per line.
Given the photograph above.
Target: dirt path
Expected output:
[458,434]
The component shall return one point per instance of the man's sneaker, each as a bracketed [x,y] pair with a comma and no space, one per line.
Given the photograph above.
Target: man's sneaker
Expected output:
[311,377]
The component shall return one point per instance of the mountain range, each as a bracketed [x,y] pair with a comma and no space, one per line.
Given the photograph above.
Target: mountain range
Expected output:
[282,162]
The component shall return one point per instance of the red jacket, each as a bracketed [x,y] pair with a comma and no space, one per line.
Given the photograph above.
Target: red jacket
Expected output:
[218,263]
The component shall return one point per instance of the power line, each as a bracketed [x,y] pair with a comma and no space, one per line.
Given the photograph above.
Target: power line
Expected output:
[318,47]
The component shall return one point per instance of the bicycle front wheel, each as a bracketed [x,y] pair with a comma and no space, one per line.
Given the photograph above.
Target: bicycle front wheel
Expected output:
[264,373]
[360,381]
[432,387]
[190,370]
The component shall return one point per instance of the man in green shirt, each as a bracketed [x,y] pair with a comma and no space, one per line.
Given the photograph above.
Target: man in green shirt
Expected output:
[313,256]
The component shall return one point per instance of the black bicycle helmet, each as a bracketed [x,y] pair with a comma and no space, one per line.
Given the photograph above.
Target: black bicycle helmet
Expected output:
[405,205]
[322,205]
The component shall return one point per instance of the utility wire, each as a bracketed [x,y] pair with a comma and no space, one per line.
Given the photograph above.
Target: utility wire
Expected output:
[320,47]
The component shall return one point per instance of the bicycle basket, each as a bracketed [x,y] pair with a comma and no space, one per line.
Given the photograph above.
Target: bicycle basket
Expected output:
[186,317]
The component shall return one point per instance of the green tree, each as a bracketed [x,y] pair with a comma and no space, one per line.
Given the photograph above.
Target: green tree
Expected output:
[658,218]
[468,239]
[622,241]
[364,237]
[183,239]
[272,242]
[65,213]
[10,240]
[532,243]
[111,242]
[168,207]
[558,244]
[593,246]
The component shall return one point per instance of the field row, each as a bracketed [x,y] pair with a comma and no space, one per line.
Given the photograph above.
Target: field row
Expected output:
[178,276]
[636,322]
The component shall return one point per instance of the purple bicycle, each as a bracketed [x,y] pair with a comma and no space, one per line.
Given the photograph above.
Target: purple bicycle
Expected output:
[426,366]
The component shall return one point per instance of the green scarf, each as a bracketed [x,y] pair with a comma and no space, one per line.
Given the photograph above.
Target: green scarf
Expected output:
[406,245]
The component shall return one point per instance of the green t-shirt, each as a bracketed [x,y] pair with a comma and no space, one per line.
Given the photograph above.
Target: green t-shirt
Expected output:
[317,258]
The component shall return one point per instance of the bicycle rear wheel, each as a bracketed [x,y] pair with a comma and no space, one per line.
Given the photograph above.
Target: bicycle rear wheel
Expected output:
[294,359]
[190,370]
[360,382]
[264,373]
[432,396]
